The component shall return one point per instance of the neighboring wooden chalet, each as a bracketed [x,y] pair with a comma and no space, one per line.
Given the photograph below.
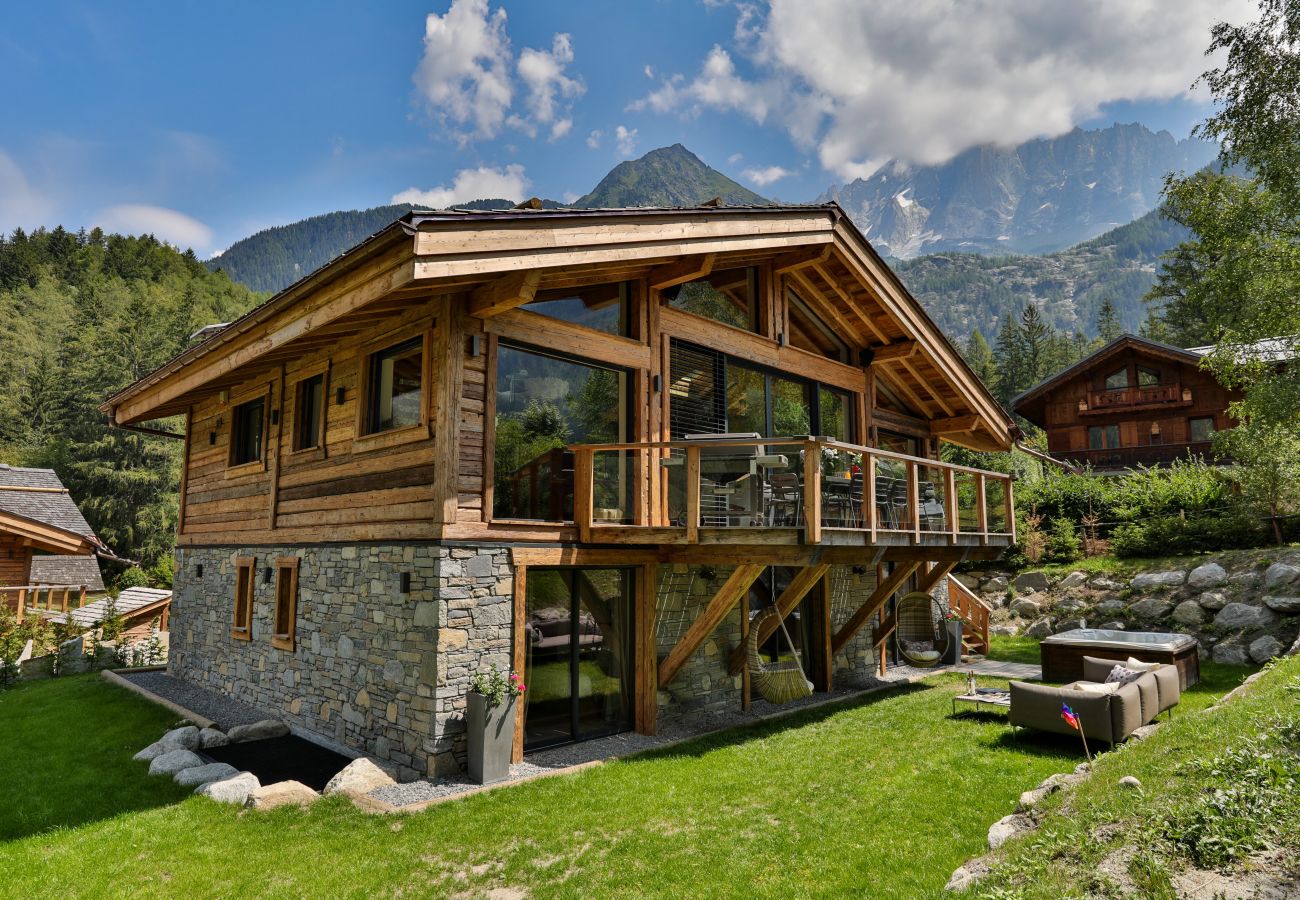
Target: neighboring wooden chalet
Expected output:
[39,525]
[1133,402]
[591,444]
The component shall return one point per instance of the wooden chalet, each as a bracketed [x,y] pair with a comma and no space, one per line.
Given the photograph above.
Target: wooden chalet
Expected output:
[40,523]
[590,444]
[1133,402]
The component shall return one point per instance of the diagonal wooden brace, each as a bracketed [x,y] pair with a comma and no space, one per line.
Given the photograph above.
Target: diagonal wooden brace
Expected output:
[925,583]
[735,587]
[799,587]
[873,603]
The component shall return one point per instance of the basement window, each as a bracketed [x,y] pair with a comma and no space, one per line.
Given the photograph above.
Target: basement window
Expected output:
[395,387]
[245,574]
[286,603]
[247,432]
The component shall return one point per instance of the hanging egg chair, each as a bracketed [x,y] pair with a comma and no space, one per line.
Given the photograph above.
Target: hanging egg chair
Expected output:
[921,634]
[778,682]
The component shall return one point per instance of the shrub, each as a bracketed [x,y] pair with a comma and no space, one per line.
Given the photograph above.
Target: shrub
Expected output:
[132,577]
[1062,542]
[1178,535]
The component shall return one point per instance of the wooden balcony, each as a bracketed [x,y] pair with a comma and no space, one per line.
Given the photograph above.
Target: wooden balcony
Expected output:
[1129,457]
[784,491]
[1152,396]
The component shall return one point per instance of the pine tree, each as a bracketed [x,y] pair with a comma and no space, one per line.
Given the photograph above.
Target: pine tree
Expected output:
[980,356]
[1036,339]
[1009,355]
[1108,324]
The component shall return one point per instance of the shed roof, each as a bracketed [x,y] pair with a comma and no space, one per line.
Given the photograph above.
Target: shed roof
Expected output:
[73,571]
[131,600]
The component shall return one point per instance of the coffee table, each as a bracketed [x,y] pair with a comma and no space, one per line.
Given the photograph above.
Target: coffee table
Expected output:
[986,696]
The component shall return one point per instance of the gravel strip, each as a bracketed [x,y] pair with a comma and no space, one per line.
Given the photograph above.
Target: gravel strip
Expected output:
[223,710]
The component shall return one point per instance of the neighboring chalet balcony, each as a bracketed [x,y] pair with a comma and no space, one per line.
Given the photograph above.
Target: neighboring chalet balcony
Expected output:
[1129,457]
[744,489]
[1155,396]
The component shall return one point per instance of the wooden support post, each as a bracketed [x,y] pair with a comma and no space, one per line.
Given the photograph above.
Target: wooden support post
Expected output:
[745,686]
[1011,509]
[520,655]
[950,502]
[981,509]
[873,603]
[692,494]
[735,587]
[166,617]
[647,651]
[914,499]
[22,604]
[823,674]
[870,509]
[67,591]
[81,597]
[933,575]
[812,492]
[807,578]
[584,469]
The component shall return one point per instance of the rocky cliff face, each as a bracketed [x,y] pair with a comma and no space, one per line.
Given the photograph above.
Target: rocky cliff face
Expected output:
[1041,196]
[1242,607]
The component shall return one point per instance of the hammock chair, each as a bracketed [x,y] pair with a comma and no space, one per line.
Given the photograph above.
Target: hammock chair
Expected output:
[921,632]
[778,682]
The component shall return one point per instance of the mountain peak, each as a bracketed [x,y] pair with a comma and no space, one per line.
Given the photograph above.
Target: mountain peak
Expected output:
[666,176]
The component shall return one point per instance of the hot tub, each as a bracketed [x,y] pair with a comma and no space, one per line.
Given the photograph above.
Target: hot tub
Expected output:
[1063,653]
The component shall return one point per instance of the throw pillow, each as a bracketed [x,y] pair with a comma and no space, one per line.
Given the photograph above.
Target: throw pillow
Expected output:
[1087,687]
[1120,675]
[918,646]
[1137,665]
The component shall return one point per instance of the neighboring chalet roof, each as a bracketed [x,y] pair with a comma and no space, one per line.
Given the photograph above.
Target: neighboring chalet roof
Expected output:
[36,505]
[491,251]
[136,601]
[68,570]
[1269,350]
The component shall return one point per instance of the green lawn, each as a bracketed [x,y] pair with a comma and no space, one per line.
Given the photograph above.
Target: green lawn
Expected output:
[1014,648]
[882,796]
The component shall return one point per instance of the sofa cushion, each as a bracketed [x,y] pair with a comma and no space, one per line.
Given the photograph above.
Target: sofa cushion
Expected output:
[1137,665]
[1122,675]
[1091,687]
[1125,711]
[1169,686]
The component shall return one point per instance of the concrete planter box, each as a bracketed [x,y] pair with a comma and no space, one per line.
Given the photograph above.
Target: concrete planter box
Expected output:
[491,735]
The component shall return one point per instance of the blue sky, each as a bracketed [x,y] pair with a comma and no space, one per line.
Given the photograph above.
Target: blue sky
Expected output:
[205,123]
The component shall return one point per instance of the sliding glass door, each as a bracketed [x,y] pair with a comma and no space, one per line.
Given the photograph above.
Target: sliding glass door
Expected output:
[578,667]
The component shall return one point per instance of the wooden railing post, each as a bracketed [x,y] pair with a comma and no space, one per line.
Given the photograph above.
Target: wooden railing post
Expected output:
[22,604]
[583,492]
[67,590]
[1011,509]
[693,494]
[950,502]
[914,500]
[870,510]
[812,497]
[81,597]
[981,509]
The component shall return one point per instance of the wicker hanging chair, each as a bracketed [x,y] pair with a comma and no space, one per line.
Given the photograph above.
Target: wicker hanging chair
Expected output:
[921,633]
[778,682]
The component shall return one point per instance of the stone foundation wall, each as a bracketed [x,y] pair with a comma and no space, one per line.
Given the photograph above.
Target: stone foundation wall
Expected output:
[378,670]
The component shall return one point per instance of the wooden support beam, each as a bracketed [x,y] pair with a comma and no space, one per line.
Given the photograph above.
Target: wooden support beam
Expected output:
[953,424]
[873,603]
[936,573]
[807,579]
[801,259]
[735,587]
[647,657]
[519,656]
[895,351]
[689,269]
[506,292]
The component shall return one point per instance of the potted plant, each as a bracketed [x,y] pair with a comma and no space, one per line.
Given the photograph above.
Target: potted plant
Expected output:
[954,622]
[490,720]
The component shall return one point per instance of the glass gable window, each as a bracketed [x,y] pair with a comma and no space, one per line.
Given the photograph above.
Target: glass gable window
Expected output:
[543,404]
[1117,380]
[394,394]
[1148,377]
[247,426]
[809,332]
[603,307]
[729,296]
[833,414]
[308,413]
[1201,429]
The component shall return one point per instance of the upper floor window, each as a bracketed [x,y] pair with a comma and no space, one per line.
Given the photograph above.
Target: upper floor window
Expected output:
[809,332]
[247,432]
[1117,380]
[395,386]
[1148,377]
[308,432]
[603,307]
[1200,429]
[729,296]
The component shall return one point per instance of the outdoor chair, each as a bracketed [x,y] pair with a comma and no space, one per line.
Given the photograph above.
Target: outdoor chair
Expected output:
[786,501]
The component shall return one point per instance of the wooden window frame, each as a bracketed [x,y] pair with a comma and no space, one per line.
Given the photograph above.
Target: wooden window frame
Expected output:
[300,379]
[262,392]
[1150,370]
[1214,428]
[1128,380]
[243,631]
[286,571]
[392,437]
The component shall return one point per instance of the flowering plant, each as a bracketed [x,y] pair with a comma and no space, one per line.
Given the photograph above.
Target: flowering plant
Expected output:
[496,685]
[952,615]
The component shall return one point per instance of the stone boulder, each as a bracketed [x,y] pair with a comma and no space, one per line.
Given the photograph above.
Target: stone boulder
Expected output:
[995,585]
[361,776]
[258,731]
[1029,582]
[1110,607]
[1243,615]
[1005,630]
[1149,581]
[1040,629]
[1189,612]
[1006,828]
[200,775]
[1105,583]
[174,761]
[971,581]
[1232,653]
[211,737]
[1280,574]
[186,738]
[152,752]
[1070,625]
[1074,580]
[1071,604]
[1263,649]
[1025,607]
[1210,575]
[1283,604]
[1151,609]
[233,790]
[1112,626]
[1213,600]
[282,793]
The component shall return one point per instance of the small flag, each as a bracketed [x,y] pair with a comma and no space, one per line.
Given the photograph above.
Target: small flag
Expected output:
[1070,718]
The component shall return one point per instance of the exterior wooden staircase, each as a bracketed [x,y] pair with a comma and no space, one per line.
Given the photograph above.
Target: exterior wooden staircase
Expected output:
[975,616]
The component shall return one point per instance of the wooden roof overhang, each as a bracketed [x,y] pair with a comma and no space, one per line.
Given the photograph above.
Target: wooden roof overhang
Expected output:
[47,537]
[501,258]
[1032,403]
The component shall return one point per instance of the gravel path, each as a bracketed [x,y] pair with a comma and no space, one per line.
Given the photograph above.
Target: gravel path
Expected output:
[223,710]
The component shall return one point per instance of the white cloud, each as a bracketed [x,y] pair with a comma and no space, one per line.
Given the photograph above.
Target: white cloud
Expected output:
[922,80]
[649,71]
[470,184]
[468,76]
[22,205]
[735,158]
[626,140]
[570,196]
[765,176]
[593,139]
[165,224]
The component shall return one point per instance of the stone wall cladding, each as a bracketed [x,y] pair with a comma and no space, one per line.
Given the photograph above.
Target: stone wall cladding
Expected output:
[377,670]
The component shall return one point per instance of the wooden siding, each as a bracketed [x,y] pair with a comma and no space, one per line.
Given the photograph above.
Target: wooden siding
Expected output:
[15,561]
